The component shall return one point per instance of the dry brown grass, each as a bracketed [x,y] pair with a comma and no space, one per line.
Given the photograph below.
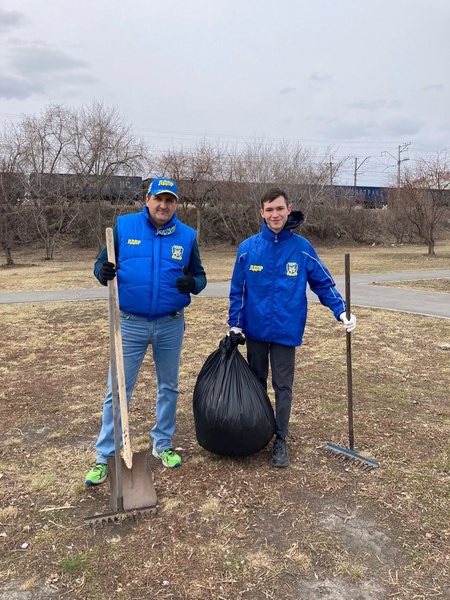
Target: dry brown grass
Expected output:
[72,267]
[229,528]
[428,285]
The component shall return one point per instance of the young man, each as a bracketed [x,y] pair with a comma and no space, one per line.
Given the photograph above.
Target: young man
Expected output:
[268,302]
[160,267]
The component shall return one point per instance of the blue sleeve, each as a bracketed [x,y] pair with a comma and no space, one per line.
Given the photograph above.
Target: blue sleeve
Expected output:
[322,284]
[237,293]
[104,256]
[196,269]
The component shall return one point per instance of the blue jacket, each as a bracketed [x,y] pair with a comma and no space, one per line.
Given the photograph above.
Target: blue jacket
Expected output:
[268,287]
[150,260]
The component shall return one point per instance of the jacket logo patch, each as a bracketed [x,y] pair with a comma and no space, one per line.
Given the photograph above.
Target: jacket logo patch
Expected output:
[177,252]
[256,267]
[133,242]
[292,269]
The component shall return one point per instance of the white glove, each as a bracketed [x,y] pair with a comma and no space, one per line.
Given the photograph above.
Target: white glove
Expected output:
[235,330]
[349,324]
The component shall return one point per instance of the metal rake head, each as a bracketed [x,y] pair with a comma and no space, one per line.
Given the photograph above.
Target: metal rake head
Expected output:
[116,518]
[347,455]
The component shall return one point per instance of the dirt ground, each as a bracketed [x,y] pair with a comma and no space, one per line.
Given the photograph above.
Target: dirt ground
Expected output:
[228,528]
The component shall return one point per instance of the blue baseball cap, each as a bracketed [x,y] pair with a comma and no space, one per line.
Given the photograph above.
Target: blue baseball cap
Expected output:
[161,185]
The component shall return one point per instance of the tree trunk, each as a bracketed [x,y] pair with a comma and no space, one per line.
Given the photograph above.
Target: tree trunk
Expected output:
[49,247]
[199,225]
[8,255]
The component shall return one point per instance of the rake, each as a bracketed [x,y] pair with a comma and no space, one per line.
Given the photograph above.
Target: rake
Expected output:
[339,452]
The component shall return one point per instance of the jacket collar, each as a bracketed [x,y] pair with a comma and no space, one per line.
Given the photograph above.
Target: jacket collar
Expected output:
[271,236]
[295,219]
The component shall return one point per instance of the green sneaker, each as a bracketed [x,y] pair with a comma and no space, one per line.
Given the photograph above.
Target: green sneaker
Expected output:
[169,457]
[97,475]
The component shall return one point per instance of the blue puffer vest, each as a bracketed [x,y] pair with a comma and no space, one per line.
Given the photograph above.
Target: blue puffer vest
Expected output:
[150,261]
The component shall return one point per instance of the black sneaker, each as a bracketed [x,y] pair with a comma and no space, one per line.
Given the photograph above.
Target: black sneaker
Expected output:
[280,457]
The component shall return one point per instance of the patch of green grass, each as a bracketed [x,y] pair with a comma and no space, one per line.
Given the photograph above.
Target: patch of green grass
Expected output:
[78,489]
[74,564]
[442,464]
[233,566]
[42,482]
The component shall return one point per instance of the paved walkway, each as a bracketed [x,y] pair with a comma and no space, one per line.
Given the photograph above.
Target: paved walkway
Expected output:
[362,293]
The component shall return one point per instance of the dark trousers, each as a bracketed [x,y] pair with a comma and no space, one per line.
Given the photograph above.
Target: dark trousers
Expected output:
[282,363]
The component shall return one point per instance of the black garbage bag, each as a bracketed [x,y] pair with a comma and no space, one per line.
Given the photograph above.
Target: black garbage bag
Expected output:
[232,412]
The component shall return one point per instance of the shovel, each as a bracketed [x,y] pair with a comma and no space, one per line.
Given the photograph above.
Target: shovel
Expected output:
[131,478]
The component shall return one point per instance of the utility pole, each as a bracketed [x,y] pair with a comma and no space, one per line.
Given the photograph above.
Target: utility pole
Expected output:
[357,168]
[399,159]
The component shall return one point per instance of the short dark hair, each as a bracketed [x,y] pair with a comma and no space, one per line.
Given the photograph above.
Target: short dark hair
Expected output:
[272,194]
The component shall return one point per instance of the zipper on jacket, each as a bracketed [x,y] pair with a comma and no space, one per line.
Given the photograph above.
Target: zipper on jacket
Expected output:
[272,287]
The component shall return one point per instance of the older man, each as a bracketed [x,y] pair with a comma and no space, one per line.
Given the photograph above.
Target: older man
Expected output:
[158,267]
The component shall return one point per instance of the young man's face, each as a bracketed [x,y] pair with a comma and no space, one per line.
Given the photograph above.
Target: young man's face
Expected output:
[276,213]
[161,208]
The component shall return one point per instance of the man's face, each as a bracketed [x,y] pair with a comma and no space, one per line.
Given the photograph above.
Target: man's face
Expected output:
[161,208]
[276,213]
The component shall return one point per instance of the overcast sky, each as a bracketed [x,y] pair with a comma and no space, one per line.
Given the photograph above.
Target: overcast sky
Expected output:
[363,77]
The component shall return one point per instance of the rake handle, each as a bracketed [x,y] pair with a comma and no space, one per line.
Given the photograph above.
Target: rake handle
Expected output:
[348,338]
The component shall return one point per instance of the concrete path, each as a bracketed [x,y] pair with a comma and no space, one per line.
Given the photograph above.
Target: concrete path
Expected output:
[363,293]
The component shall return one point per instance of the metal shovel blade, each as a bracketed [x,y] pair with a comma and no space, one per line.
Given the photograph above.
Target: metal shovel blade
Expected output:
[137,484]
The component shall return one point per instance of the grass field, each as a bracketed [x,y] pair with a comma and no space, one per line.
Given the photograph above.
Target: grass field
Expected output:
[72,267]
[228,529]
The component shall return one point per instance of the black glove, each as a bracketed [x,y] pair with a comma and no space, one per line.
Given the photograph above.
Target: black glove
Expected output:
[186,284]
[107,271]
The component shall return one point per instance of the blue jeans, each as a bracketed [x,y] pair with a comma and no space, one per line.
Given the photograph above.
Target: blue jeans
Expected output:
[165,335]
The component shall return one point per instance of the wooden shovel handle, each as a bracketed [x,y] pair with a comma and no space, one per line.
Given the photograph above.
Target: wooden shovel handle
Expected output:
[115,316]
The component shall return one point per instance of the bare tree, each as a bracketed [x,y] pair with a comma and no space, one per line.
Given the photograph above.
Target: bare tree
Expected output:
[198,171]
[394,219]
[300,172]
[72,159]
[12,190]
[227,182]
[12,195]
[105,154]
[44,142]
[422,196]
